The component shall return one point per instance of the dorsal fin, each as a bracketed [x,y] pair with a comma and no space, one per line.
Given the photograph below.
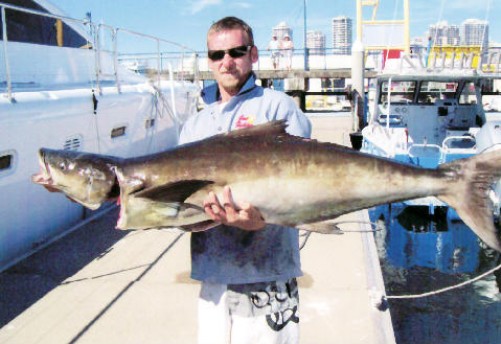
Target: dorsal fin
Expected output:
[272,128]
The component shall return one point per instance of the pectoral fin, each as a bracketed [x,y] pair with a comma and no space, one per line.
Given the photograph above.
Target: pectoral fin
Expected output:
[200,226]
[175,192]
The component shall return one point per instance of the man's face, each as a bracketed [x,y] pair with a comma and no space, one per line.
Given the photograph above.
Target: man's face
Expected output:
[231,72]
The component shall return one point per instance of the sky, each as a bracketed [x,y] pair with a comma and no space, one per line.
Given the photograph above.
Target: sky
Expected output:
[186,21]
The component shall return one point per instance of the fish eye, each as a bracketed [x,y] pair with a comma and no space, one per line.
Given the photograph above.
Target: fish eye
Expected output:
[66,165]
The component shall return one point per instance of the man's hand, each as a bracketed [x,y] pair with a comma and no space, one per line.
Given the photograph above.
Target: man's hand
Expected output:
[243,216]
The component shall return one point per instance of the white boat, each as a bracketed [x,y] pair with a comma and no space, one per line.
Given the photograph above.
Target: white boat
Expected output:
[426,117]
[61,88]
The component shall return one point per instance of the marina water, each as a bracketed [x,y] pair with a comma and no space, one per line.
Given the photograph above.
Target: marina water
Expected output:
[420,253]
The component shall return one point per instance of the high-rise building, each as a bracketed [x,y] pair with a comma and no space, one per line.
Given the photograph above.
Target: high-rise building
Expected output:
[281,30]
[342,35]
[315,42]
[475,32]
[442,34]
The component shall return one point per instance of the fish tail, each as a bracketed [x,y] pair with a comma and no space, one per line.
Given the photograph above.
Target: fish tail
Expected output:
[471,180]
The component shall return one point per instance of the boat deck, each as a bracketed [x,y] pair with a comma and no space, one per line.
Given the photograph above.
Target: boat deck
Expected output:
[100,285]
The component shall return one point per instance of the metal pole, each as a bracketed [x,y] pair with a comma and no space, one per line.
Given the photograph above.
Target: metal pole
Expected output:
[114,33]
[98,58]
[304,38]
[407,35]
[359,20]
[357,72]
[357,77]
[159,59]
[6,56]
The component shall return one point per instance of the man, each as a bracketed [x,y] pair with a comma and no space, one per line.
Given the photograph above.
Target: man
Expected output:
[247,268]
[274,47]
[287,46]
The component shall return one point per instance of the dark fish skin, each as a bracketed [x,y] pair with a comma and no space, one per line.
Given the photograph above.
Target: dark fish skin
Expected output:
[294,182]
[87,178]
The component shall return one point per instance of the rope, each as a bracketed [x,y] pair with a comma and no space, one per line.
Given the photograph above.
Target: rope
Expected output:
[306,237]
[373,224]
[307,234]
[443,290]
[381,301]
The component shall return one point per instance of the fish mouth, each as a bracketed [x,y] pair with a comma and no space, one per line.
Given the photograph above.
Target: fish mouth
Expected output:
[44,176]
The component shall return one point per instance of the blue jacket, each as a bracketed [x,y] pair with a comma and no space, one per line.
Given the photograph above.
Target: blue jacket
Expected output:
[229,255]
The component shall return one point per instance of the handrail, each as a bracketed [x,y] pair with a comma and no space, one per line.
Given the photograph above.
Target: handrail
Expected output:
[447,140]
[96,46]
[6,56]
[423,145]
[158,40]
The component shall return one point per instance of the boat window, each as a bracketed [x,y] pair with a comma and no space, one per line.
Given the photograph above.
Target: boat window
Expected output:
[117,132]
[401,92]
[430,91]
[5,162]
[149,123]
[468,94]
[31,28]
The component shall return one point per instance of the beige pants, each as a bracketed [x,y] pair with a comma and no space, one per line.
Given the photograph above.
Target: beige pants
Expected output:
[254,313]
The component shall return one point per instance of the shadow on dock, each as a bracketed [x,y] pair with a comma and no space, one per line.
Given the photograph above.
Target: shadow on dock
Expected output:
[25,283]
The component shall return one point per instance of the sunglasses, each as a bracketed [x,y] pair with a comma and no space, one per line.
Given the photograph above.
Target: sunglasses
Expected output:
[216,55]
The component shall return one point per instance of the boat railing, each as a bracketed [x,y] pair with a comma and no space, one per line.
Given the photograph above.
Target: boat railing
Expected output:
[158,56]
[493,63]
[95,39]
[462,60]
[425,154]
[423,149]
[6,59]
[464,142]
[472,62]
[457,147]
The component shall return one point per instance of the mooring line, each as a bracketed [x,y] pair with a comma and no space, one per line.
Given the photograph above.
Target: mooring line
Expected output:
[307,234]
[443,290]
[382,302]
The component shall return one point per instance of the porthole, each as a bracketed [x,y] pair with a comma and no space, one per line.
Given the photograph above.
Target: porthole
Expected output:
[118,132]
[6,162]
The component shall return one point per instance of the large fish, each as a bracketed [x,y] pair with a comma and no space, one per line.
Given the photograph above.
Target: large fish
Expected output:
[292,181]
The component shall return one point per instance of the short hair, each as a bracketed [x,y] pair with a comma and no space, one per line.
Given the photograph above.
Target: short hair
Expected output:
[232,23]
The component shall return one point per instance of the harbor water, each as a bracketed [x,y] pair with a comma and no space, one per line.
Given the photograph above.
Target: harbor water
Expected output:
[422,253]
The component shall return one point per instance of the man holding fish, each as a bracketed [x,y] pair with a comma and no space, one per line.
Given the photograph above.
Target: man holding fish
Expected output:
[247,268]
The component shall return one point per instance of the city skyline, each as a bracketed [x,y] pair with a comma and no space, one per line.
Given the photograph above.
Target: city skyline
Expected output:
[471,32]
[186,22]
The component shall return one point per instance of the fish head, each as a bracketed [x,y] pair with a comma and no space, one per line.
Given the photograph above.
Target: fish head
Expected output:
[88,179]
